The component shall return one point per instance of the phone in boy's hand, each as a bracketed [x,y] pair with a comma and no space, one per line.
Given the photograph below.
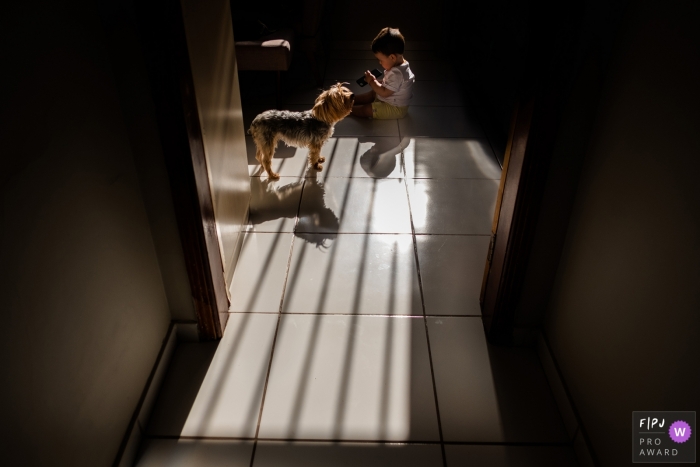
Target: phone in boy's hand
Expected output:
[376,72]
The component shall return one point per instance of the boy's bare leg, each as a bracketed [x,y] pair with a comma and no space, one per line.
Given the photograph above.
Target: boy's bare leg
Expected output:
[366,98]
[364,111]
[362,107]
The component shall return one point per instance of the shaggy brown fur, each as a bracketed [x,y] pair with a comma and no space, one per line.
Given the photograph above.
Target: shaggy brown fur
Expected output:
[310,128]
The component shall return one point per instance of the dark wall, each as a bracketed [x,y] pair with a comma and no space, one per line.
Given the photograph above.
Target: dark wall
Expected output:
[418,20]
[85,305]
[614,263]
[623,320]
[489,44]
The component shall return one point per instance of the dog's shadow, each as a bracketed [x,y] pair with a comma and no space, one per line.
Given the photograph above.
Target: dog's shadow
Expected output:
[270,201]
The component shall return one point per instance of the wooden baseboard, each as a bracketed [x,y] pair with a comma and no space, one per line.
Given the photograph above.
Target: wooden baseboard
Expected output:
[179,331]
[584,453]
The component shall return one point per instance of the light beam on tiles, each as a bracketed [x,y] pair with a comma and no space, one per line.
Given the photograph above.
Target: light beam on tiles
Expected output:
[391,215]
[419,198]
[392,253]
[409,156]
[388,353]
[484,159]
[343,146]
[228,401]
[369,399]
[378,402]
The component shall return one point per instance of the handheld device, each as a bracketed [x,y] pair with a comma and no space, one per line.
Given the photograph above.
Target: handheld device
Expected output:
[376,72]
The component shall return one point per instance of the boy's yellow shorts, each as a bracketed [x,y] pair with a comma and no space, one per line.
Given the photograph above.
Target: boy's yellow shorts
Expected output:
[384,111]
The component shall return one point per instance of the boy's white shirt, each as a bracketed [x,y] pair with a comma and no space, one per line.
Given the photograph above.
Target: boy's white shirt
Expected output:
[399,79]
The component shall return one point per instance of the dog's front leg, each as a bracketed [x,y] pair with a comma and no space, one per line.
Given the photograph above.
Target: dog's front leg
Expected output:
[315,158]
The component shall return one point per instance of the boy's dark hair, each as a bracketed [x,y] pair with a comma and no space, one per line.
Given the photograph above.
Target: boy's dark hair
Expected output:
[388,41]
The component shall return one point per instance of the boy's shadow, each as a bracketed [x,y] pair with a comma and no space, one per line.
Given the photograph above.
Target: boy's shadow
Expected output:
[379,161]
[270,200]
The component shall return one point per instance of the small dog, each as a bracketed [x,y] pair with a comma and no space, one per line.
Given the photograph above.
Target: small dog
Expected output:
[310,128]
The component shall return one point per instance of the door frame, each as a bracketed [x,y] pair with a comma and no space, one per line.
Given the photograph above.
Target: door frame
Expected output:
[505,255]
[162,30]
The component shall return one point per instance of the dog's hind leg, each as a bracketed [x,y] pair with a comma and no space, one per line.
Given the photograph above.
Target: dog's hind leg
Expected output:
[315,158]
[267,150]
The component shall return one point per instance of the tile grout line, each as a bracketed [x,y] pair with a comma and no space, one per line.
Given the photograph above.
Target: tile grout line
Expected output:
[272,352]
[294,230]
[351,314]
[388,178]
[365,441]
[425,319]
[377,233]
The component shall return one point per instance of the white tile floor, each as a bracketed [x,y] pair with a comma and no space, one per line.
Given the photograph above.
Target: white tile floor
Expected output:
[355,335]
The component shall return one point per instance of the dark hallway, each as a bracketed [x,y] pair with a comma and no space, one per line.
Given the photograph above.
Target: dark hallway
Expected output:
[354,333]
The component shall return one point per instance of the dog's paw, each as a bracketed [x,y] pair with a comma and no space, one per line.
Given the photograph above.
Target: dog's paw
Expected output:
[322,159]
[318,166]
[273,176]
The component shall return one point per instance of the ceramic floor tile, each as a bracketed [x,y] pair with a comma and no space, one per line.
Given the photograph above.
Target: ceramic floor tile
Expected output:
[260,272]
[350,70]
[453,206]
[440,122]
[452,268]
[365,274]
[509,456]
[274,203]
[306,96]
[355,126]
[438,93]
[186,372]
[354,205]
[450,158]
[432,70]
[358,156]
[264,98]
[340,46]
[359,54]
[307,454]
[425,70]
[351,85]
[488,393]
[227,401]
[350,378]
[410,55]
[287,161]
[195,453]
[364,156]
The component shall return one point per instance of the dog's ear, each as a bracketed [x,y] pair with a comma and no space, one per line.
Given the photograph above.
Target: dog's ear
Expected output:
[320,109]
[332,105]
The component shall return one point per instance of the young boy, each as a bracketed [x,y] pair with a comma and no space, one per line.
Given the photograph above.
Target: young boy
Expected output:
[389,98]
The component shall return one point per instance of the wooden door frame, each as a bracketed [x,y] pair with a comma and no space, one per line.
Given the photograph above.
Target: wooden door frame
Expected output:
[546,70]
[162,31]
[500,274]
[526,163]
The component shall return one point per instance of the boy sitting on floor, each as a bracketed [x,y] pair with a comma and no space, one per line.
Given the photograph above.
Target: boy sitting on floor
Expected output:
[389,98]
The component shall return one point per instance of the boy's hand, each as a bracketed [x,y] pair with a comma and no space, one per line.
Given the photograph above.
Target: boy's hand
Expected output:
[369,77]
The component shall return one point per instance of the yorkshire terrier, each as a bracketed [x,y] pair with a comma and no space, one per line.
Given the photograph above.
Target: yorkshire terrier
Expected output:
[310,128]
